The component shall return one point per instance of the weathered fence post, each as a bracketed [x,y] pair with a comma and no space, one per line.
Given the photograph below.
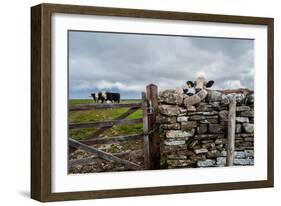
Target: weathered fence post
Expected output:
[145,132]
[153,134]
[231,133]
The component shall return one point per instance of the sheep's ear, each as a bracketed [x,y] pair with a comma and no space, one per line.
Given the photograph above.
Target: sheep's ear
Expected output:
[210,84]
[191,83]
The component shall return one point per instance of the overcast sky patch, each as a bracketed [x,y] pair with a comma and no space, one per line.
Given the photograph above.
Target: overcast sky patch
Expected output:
[126,63]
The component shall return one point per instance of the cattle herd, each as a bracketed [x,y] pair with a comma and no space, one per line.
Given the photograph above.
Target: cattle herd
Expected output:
[106,96]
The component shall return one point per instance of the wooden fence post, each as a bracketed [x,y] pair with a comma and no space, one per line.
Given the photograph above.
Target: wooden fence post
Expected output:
[153,133]
[231,133]
[145,132]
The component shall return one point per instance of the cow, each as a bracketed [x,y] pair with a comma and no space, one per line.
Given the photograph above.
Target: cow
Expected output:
[94,96]
[199,84]
[198,91]
[105,96]
[113,97]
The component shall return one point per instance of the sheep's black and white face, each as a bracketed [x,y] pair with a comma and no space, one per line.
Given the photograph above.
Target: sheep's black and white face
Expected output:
[200,83]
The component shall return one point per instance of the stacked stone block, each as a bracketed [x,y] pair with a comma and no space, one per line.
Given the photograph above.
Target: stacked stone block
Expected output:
[195,135]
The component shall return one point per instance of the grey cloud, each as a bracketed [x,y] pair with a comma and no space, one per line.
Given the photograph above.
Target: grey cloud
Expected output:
[128,62]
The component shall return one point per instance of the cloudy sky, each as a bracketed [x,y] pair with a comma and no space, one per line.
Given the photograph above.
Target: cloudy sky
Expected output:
[126,63]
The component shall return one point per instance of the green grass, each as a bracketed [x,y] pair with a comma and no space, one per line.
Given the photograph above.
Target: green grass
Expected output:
[102,115]
[73,102]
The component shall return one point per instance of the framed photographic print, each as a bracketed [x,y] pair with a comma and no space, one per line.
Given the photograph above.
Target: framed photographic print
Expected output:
[130,102]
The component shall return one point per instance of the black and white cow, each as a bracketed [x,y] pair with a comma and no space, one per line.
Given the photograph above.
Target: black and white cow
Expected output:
[113,97]
[94,96]
[199,84]
[198,90]
[106,96]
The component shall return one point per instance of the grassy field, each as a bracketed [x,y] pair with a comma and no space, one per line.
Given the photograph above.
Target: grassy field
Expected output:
[102,115]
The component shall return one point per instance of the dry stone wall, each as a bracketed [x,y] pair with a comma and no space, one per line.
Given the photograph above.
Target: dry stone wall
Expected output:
[194,129]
